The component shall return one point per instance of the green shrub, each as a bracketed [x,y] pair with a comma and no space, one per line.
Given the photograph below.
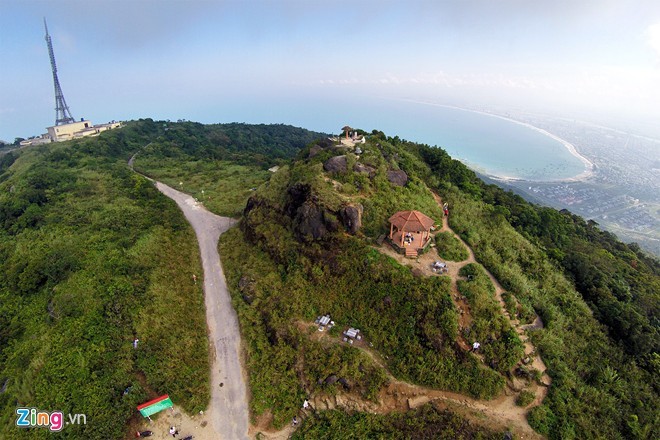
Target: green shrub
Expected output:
[449,247]
[424,422]
[510,304]
[525,398]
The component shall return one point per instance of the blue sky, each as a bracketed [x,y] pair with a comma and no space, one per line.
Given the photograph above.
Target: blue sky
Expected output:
[255,61]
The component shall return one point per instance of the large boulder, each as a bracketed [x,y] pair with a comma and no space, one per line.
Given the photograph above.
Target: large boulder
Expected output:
[315,150]
[298,194]
[364,169]
[397,177]
[308,222]
[337,164]
[351,217]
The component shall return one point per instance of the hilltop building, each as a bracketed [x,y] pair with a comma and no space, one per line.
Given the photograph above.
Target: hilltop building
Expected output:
[66,127]
[75,130]
[410,232]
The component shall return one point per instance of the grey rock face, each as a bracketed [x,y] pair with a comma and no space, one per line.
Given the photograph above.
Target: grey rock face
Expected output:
[337,164]
[351,217]
[397,177]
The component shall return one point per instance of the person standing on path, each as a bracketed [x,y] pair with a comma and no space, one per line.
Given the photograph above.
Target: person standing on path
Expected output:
[174,431]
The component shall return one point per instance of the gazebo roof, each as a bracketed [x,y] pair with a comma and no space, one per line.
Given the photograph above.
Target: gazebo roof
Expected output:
[409,221]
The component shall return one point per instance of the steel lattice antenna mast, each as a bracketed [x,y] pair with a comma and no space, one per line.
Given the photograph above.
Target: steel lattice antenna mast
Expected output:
[62,112]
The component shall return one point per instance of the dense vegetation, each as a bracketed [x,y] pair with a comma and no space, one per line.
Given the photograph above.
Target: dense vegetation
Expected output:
[598,297]
[425,423]
[280,277]
[220,165]
[618,281]
[449,247]
[92,256]
[502,348]
[601,386]
[244,144]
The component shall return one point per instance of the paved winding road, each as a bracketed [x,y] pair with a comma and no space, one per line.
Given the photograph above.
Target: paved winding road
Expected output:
[228,409]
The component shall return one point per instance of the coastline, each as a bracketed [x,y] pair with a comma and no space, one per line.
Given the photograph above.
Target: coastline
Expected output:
[589,166]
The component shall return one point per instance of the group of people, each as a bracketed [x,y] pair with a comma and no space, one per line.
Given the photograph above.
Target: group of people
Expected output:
[305,406]
[408,238]
[174,432]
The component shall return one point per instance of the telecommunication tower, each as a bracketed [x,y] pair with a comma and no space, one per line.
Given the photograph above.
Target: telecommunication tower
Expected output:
[62,112]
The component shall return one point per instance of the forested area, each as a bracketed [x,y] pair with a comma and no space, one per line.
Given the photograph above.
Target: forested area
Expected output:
[280,275]
[244,144]
[620,282]
[92,256]
[601,337]
[426,422]
[604,375]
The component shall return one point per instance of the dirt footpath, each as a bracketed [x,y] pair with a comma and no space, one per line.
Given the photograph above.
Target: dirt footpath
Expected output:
[228,410]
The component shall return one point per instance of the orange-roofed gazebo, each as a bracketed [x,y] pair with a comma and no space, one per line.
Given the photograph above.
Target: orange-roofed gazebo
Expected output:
[346,129]
[410,228]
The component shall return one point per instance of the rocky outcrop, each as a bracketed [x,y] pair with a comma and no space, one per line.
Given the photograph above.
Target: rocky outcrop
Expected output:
[315,150]
[308,222]
[351,217]
[364,169]
[297,195]
[309,218]
[397,177]
[337,164]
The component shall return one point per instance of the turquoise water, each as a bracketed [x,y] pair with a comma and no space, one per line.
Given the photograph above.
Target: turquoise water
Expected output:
[485,143]
[488,144]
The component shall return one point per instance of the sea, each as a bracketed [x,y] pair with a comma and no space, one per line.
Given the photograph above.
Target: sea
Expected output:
[488,144]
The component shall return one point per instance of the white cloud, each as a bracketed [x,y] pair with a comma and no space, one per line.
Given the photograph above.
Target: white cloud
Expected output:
[653,37]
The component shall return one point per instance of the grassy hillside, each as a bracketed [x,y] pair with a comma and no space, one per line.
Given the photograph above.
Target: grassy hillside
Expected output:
[281,276]
[220,164]
[293,260]
[93,256]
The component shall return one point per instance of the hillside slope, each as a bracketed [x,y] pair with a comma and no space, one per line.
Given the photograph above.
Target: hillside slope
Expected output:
[299,255]
[93,257]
